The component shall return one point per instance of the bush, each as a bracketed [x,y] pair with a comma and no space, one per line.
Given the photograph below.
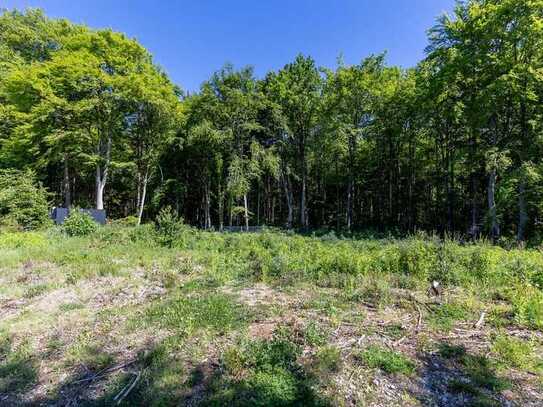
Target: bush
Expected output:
[129,221]
[79,224]
[169,227]
[23,201]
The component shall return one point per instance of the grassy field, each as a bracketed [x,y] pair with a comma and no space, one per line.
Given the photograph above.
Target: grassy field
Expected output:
[124,316]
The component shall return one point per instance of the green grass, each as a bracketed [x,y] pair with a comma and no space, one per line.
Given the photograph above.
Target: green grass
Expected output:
[197,316]
[187,312]
[18,370]
[515,352]
[266,373]
[390,362]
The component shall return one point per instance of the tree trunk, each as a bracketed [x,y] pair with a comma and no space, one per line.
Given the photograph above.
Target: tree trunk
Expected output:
[207,207]
[289,198]
[494,226]
[523,214]
[258,205]
[101,174]
[350,186]
[66,184]
[230,213]
[221,208]
[303,213]
[522,211]
[141,203]
[303,192]
[100,185]
[246,212]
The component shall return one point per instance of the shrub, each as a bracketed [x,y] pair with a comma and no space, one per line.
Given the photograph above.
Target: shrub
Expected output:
[79,224]
[262,373]
[169,227]
[23,201]
[527,306]
[129,221]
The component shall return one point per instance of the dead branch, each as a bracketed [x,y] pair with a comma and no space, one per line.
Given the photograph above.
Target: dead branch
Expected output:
[419,321]
[127,389]
[104,372]
[481,320]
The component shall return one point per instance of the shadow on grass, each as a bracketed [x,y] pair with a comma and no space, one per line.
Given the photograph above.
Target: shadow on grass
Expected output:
[258,373]
[453,377]
[274,379]
[18,371]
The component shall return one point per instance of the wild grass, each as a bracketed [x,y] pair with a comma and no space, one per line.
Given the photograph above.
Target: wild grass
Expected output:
[388,361]
[177,306]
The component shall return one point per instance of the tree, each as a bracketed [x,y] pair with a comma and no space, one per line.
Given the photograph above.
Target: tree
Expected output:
[297,90]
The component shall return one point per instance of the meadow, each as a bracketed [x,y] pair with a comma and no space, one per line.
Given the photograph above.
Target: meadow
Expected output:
[143,316]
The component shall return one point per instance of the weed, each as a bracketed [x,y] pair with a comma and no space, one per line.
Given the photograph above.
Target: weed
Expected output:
[514,352]
[213,311]
[315,334]
[387,360]
[262,373]
[327,360]
[18,369]
[448,351]
[444,316]
[36,290]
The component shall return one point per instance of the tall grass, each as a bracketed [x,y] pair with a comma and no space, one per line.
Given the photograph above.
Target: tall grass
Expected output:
[514,276]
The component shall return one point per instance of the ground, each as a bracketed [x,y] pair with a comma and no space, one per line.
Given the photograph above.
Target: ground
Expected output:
[266,319]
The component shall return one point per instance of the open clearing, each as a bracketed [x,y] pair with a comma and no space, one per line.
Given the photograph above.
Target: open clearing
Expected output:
[266,319]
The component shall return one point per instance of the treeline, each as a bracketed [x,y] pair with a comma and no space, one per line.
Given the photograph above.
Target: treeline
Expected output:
[453,145]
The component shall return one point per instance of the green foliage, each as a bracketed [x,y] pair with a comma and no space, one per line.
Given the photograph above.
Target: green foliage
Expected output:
[480,370]
[315,334]
[514,352]
[528,306]
[452,145]
[187,313]
[387,360]
[10,240]
[128,221]
[79,223]
[451,351]
[23,200]
[169,227]
[327,360]
[444,316]
[270,376]
[18,370]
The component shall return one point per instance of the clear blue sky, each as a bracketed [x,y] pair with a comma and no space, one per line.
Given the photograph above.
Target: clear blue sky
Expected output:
[191,39]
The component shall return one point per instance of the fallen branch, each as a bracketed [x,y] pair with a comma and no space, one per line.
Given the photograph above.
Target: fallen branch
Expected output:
[481,320]
[399,341]
[419,321]
[126,390]
[104,372]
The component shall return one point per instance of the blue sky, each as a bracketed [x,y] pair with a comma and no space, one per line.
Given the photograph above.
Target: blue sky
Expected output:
[192,39]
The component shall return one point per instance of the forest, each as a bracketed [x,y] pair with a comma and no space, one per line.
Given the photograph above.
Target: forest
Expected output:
[363,235]
[451,146]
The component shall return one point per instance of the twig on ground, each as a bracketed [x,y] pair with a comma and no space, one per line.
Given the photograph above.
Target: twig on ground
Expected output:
[127,389]
[481,320]
[399,341]
[103,372]
[419,321]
